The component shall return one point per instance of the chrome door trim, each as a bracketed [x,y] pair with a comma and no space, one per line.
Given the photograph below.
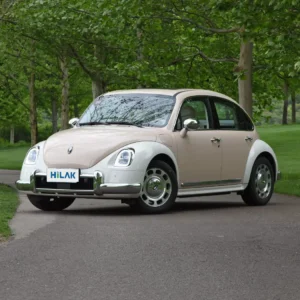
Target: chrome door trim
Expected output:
[211,183]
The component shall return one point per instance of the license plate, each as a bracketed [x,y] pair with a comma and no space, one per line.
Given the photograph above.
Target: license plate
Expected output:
[63,175]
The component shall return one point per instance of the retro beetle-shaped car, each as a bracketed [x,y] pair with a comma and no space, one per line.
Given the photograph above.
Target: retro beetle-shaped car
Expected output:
[148,147]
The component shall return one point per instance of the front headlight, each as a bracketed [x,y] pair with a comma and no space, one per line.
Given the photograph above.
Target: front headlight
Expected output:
[124,158]
[32,156]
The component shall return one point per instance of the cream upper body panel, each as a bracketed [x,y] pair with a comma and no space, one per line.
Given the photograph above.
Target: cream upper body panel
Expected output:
[93,143]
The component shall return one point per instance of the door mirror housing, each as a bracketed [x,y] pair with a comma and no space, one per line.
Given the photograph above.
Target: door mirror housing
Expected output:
[73,122]
[188,124]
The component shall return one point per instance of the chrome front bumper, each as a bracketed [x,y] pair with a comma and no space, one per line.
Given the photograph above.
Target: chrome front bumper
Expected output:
[99,189]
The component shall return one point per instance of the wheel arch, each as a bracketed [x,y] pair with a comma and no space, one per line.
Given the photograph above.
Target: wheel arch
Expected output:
[270,158]
[147,151]
[167,159]
[259,149]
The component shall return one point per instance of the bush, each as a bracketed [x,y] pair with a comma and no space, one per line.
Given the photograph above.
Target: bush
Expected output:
[44,131]
[6,144]
[22,133]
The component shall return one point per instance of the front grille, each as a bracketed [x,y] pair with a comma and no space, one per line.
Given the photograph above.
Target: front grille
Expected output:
[82,184]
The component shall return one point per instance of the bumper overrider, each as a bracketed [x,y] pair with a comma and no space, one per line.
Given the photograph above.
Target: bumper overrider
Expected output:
[89,186]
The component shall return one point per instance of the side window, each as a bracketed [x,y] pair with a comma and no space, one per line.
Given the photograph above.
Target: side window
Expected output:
[244,121]
[194,108]
[231,116]
[227,115]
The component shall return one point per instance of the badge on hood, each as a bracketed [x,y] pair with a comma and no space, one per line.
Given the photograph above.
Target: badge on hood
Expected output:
[70,149]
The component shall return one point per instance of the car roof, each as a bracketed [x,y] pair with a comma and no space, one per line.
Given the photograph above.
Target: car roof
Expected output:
[170,92]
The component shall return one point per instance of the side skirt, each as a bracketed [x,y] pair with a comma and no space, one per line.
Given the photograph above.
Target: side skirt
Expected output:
[209,191]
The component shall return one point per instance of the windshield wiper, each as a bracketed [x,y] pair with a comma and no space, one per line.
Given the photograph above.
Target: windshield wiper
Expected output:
[93,123]
[123,123]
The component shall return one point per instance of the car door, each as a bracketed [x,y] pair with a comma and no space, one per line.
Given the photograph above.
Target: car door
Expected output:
[236,132]
[199,158]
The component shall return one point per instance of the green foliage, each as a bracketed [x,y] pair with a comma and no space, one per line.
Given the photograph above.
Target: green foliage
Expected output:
[4,144]
[8,205]
[121,44]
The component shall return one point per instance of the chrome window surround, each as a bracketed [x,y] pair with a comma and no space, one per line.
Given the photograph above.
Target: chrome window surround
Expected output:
[100,188]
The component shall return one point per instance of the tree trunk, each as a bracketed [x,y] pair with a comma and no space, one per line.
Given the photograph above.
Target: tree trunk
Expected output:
[293,95]
[98,84]
[76,110]
[140,56]
[32,101]
[64,93]
[54,114]
[285,103]
[245,81]
[98,87]
[12,134]
[33,112]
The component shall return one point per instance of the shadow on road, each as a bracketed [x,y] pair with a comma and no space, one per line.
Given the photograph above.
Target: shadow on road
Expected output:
[124,210]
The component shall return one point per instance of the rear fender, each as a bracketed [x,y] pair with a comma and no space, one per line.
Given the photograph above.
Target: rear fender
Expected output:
[259,147]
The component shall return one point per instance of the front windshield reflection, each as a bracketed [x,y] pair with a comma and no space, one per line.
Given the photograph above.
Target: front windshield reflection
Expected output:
[140,109]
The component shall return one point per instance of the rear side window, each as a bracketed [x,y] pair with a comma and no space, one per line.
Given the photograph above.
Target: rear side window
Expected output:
[231,117]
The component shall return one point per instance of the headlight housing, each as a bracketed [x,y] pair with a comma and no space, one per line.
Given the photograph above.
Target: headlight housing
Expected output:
[124,158]
[32,156]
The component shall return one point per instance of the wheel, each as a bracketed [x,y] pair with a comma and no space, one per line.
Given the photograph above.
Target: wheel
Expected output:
[50,203]
[159,190]
[261,185]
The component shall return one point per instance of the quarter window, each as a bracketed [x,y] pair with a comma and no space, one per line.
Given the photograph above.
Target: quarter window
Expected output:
[226,115]
[244,121]
[231,116]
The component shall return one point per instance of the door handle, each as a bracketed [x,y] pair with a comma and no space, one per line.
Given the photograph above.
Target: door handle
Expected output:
[248,139]
[214,139]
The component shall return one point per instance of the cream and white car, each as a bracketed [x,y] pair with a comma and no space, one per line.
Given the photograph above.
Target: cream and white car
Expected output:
[149,147]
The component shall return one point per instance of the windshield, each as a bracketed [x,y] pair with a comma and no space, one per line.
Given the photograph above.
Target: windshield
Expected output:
[136,109]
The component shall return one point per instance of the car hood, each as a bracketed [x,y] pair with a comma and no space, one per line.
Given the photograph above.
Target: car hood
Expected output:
[90,144]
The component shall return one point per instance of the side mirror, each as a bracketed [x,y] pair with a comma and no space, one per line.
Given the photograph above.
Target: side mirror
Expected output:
[73,122]
[188,124]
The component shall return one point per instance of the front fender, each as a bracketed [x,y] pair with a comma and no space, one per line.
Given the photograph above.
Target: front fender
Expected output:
[27,170]
[258,148]
[144,152]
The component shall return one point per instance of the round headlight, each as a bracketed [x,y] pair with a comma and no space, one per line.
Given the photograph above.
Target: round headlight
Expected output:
[32,156]
[124,158]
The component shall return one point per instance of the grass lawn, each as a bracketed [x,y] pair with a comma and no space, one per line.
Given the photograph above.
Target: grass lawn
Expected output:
[285,141]
[11,158]
[8,205]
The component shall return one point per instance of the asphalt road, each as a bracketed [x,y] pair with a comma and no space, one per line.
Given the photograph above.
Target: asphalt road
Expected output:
[207,248]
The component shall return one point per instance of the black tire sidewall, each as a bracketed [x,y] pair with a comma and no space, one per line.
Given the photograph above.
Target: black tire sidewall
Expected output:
[143,207]
[44,203]
[250,195]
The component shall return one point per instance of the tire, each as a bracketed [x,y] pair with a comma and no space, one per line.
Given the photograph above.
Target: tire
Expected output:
[47,203]
[261,185]
[159,190]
